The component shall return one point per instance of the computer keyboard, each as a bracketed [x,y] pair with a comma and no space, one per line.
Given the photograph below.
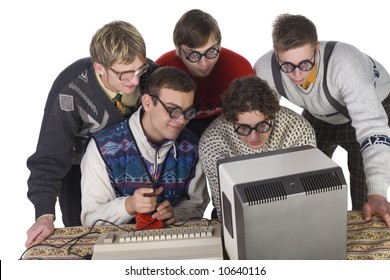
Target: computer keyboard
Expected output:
[176,242]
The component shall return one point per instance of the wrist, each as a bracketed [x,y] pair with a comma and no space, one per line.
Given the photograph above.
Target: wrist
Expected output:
[47,217]
[376,197]
[129,209]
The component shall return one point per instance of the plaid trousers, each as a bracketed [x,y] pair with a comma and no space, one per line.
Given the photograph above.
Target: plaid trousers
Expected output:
[329,136]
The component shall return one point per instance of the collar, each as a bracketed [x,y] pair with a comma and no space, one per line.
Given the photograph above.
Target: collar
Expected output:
[143,142]
[127,99]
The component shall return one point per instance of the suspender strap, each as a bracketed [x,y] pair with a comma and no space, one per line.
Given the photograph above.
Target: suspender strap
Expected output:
[279,86]
[340,108]
[277,76]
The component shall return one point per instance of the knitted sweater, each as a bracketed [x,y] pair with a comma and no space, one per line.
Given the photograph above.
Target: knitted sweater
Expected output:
[358,82]
[100,199]
[76,108]
[220,141]
[229,66]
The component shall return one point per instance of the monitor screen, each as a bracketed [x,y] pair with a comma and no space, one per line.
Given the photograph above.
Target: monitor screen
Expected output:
[284,204]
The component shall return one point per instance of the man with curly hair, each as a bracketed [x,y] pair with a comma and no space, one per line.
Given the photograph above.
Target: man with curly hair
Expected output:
[252,121]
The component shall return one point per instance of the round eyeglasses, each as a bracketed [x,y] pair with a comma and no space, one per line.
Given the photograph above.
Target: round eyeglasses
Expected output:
[261,127]
[305,65]
[195,56]
[176,112]
[128,75]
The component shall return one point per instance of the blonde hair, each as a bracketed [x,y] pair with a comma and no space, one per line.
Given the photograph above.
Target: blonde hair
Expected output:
[117,41]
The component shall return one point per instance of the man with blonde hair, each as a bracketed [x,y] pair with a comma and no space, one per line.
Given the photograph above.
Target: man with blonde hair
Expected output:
[87,96]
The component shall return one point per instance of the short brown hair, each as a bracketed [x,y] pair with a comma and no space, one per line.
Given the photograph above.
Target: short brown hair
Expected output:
[169,77]
[292,31]
[194,29]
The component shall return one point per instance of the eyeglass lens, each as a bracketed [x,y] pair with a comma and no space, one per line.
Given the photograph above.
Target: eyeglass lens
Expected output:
[261,127]
[195,56]
[305,65]
[128,75]
[176,112]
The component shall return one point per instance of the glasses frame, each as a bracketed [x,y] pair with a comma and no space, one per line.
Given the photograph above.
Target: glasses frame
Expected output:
[172,111]
[200,55]
[139,72]
[256,127]
[300,65]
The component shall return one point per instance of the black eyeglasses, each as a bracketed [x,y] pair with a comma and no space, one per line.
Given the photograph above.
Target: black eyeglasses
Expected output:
[176,112]
[261,127]
[195,56]
[128,75]
[305,65]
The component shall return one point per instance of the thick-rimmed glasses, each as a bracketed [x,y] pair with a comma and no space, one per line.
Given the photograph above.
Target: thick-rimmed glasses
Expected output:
[176,112]
[195,56]
[128,75]
[304,65]
[261,127]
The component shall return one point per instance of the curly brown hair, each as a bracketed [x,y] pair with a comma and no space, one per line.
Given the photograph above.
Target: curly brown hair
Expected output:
[249,94]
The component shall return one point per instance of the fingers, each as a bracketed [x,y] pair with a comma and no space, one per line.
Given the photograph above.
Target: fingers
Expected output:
[367,212]
[29,242]
[386,218]
[142,201]
[159,190]
[145,192]
[170,221]
[165,212]
[38,232]
[377,205]
[39,239]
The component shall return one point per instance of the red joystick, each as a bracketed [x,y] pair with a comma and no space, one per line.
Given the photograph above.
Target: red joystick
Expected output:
[145,221]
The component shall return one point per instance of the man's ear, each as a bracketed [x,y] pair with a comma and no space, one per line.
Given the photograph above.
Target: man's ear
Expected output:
[177,50]
[318,46]
[99,68]
[147,102]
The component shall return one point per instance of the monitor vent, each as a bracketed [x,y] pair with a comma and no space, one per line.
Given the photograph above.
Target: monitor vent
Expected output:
[321,183]
[265,193]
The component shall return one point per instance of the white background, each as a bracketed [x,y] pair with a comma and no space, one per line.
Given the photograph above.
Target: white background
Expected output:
[40,38]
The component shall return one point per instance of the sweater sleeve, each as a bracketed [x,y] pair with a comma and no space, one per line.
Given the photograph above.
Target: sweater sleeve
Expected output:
[98,199]
[52,158]
[195,206]
[215,144]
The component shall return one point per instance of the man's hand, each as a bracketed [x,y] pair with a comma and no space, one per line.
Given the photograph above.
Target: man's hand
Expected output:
[42,228]
[144,200]
[377,204]
[165,212]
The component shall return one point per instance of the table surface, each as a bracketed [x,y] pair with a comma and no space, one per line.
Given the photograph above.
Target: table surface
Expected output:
[365,240]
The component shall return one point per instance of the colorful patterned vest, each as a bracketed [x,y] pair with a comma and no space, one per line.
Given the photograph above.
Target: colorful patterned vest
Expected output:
[128,171]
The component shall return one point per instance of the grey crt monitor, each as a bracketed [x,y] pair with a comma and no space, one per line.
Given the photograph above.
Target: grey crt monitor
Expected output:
[289,204]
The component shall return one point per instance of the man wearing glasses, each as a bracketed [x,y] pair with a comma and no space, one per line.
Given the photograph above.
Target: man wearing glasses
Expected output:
[252,121]
[345,96]
[149,163]
[198,52]
[83,100]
